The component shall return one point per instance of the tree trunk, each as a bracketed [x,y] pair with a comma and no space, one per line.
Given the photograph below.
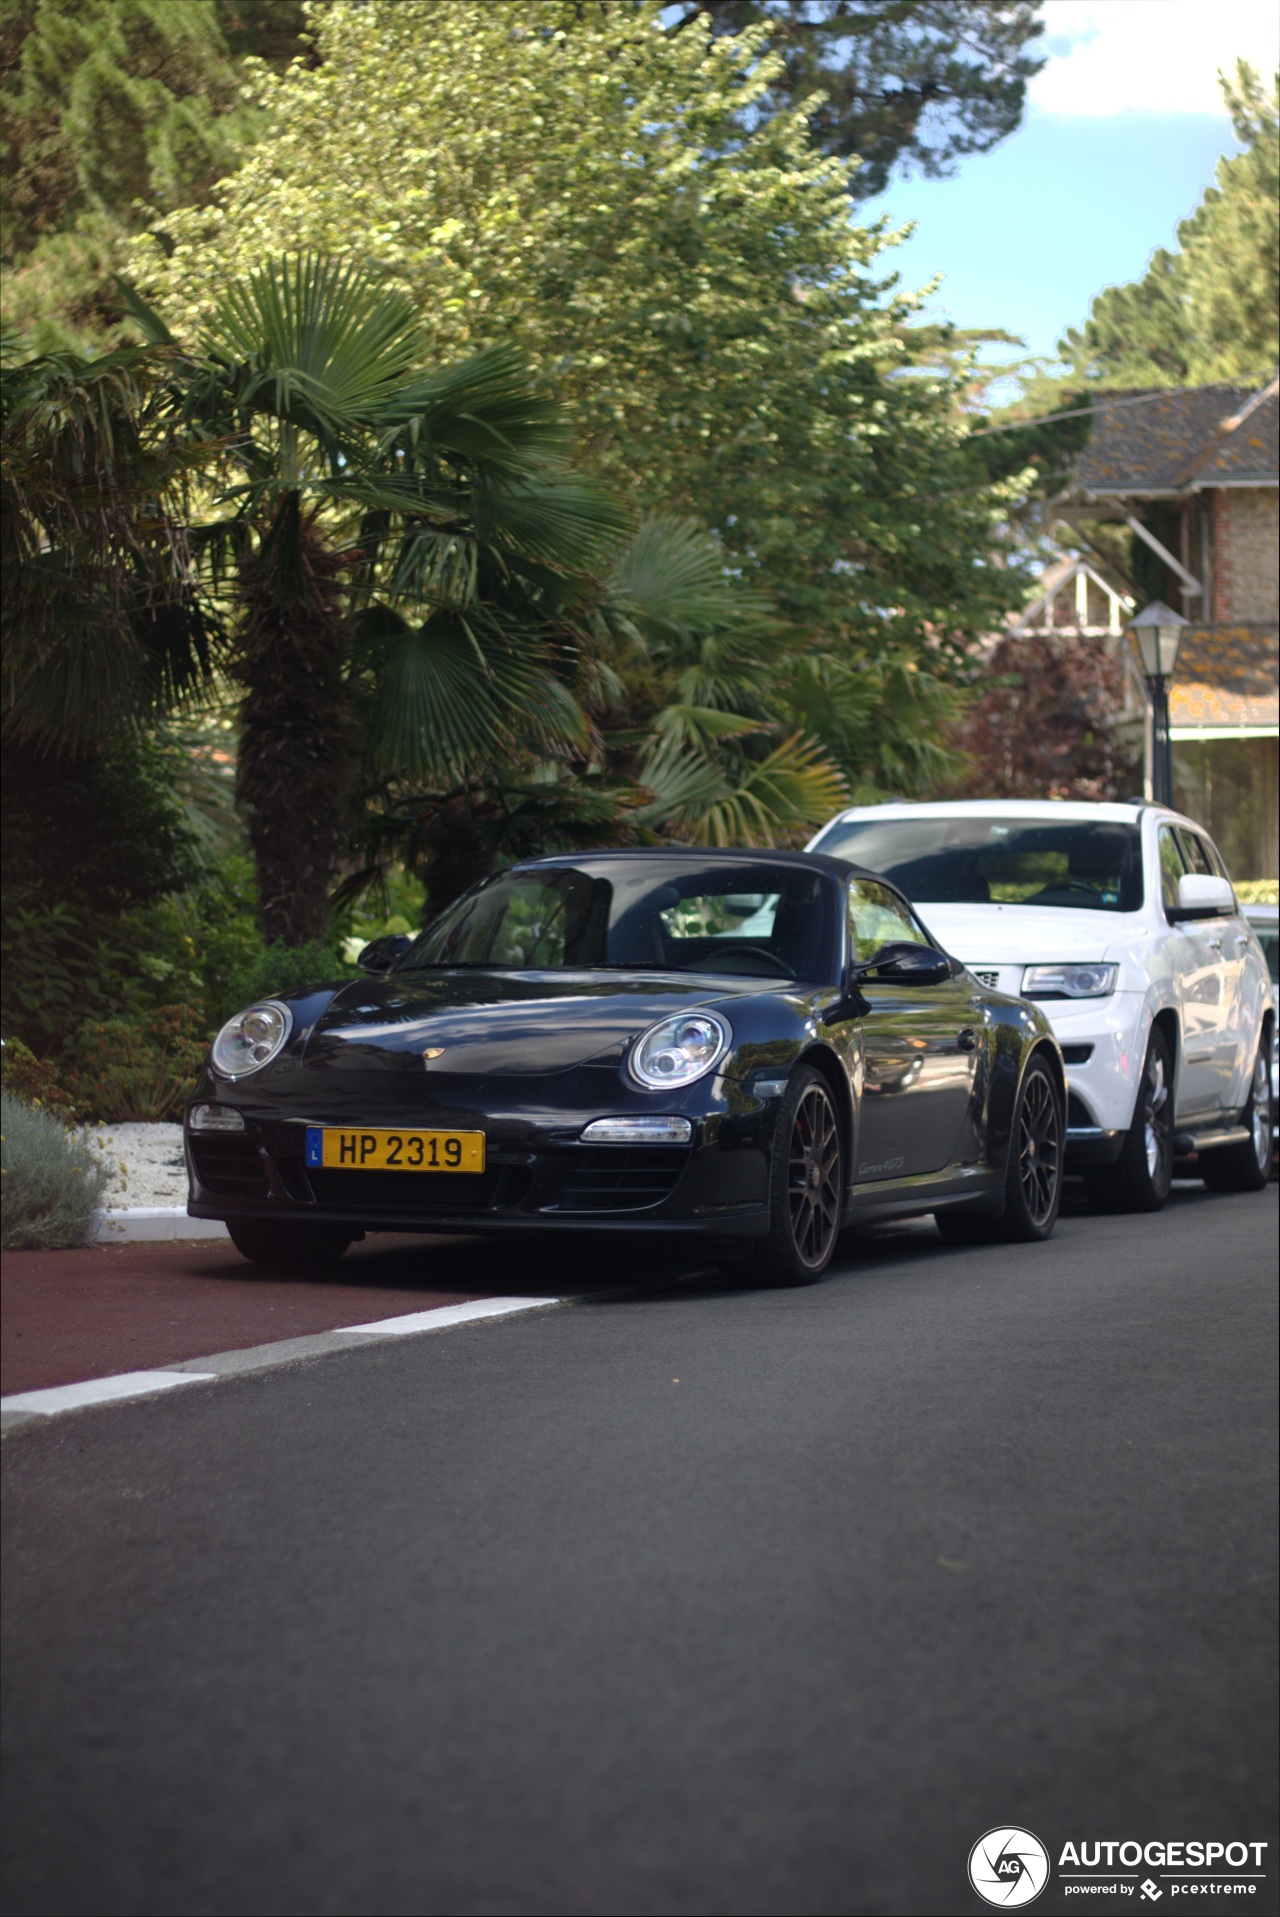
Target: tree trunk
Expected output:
[295,770]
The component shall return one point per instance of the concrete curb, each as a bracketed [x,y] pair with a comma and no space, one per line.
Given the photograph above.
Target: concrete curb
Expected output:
[143,1224]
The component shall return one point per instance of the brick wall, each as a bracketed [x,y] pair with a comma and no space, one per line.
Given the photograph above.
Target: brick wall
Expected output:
[1245,531]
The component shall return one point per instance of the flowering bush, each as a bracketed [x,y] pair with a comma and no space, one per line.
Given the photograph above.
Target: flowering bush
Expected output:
[138,1067]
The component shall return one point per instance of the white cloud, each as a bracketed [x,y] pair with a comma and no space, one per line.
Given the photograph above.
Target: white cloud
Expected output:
[1157,56]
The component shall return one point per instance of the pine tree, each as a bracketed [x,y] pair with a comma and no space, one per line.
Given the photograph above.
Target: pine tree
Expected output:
[109,107]
[1207,311]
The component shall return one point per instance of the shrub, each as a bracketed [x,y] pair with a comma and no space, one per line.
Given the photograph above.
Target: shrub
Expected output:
[138,1067]
[282,968]
[34,1081]
[1258,891]
[52,1183]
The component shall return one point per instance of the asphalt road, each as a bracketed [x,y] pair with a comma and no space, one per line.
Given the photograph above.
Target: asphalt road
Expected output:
[700,1601]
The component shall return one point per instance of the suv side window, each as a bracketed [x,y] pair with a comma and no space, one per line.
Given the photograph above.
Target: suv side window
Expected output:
[1197,857]
[1172,865]
[1215,860]
[878,917]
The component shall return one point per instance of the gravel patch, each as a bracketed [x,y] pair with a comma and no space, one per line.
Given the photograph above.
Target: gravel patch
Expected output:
[146,1164]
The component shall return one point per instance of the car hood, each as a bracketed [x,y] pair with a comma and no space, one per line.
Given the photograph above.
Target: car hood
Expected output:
[516,1024]
[1024,934]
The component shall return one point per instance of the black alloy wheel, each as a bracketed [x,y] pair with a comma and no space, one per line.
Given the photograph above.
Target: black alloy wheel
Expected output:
[1141,1176]
[290,1247]
[1033,1181]
[1034,1189]
[807,1185]
[1247,1167]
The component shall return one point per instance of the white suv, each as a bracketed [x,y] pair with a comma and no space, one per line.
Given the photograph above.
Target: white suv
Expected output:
[1121,922]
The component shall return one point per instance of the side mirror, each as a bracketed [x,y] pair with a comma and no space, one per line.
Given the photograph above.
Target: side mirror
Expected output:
[1202,895]
[905,964]
[380,955]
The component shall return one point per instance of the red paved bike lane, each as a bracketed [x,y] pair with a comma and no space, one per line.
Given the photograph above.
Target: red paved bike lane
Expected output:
[69,1316]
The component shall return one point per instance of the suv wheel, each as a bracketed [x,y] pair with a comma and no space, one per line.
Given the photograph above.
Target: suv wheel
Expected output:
[1246,1167]
[1141,1176]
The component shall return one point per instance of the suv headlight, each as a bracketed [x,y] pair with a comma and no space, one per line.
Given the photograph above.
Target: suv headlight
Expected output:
[679,1050]
[251,1039]
[1069,981]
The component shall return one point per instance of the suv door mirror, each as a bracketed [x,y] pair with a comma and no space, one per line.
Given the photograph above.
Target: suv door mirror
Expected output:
[1202,895]
[904,964]
[380,955]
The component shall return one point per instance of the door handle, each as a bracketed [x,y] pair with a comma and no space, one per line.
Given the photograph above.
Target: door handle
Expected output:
[1242,938]
[967,1040]
[1215,945]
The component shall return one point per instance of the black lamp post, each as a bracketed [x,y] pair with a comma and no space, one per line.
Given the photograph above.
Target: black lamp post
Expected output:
[1158,630]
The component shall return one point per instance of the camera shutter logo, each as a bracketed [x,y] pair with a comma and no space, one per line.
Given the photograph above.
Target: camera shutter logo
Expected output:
[1008,1867]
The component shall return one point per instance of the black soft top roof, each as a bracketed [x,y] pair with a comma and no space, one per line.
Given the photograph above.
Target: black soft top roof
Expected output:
[705,855]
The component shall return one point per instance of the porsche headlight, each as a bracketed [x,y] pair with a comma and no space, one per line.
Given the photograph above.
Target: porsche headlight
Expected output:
[679,1050]
[1069,981]
[251,1039]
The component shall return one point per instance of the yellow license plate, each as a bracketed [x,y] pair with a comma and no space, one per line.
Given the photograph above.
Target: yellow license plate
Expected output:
[336,1149]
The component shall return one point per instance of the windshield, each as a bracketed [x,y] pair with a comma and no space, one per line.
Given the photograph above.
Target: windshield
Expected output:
[1084,863]
[756,921]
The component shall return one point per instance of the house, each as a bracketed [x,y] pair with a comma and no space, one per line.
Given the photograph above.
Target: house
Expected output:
[1195,476]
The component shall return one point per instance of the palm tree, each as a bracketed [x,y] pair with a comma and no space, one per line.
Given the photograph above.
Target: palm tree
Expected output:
[678,667]
[103,626]
[390,537]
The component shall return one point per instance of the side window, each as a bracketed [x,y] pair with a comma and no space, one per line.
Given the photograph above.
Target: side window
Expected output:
[1215,860]
[1172,865]
[1197,857]
[878,917]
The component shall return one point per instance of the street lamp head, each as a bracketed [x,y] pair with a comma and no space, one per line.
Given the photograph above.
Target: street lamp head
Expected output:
[1158,630]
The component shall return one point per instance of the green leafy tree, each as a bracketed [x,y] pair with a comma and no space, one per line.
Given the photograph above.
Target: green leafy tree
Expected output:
[1210,310]
[915,83]
[679,265]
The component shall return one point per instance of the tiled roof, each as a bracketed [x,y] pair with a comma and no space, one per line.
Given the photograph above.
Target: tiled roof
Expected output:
[1226,677]
[1176,440]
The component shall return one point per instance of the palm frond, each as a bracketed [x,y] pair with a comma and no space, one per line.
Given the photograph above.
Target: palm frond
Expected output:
[314,342]
[777,800]
[455,694]
[672,579]
[484,408]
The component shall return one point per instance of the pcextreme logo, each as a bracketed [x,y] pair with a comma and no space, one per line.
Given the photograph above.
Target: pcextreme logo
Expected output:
[1008,1867]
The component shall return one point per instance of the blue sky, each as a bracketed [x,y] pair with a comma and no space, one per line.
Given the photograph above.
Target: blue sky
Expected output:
[1121,137]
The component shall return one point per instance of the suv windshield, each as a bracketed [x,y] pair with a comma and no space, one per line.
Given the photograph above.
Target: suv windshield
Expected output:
[1089,864]
[756,921]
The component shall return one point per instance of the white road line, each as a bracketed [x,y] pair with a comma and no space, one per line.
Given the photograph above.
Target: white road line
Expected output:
[127,1384]
[25,1405]
[444,1315]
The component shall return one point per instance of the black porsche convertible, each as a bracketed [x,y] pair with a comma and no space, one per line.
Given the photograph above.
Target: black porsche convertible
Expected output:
[748,1049]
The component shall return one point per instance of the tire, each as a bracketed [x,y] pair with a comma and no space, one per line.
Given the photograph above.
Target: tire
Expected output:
[1141,1176]
[290,1247]
[1033,1180]
[1246,1167]
[806,1186]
